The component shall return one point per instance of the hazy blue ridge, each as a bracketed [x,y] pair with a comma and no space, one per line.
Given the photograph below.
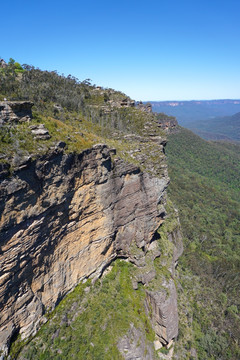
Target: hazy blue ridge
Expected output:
[189,111]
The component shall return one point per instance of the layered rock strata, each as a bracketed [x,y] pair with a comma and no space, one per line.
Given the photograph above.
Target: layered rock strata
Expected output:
[65,217]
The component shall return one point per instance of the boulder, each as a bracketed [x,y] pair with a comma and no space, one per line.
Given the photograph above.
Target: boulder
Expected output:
[40,132]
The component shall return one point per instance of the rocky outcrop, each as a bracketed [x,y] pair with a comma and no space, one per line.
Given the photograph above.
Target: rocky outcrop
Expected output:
[3,64]
[40,132]
[133,346]
[144,107]
[163,308]
[111,105]
[167,123]
[127,103]
[15,111]
[65,217]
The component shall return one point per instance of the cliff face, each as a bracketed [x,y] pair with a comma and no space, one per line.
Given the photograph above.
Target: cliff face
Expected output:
[65,217]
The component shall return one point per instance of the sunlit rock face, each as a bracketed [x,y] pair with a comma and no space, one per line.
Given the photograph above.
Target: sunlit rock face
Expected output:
[65,217]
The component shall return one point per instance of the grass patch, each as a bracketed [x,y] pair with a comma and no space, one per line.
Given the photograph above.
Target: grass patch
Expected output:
[88,324]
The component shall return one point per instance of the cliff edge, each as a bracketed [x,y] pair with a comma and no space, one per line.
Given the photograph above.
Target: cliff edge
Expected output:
[65,217]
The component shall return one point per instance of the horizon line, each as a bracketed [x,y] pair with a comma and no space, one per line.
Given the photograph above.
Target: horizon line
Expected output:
[221,99]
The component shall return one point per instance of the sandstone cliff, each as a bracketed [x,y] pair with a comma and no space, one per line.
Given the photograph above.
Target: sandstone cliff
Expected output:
[66,216]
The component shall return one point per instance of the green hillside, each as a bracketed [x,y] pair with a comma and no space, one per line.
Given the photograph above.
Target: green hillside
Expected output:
[73,111]
[227,128]
[205,188]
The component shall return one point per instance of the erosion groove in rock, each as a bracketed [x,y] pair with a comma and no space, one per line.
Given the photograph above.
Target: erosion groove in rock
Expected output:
[65,217]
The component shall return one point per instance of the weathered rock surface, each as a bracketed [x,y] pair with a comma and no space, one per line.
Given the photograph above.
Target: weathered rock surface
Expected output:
[3,64]
[169,124]
[163,307]
[133,346]
[144,107]
[65,217]
[40,132]
[15,111]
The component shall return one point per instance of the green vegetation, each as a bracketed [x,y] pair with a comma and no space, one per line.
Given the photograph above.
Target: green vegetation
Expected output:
[73,111]
[88,323]
[205,189]
[214,161]
[227,128]
[18,139]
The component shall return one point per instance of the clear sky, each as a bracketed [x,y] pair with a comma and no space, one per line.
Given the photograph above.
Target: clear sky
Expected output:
[150,50]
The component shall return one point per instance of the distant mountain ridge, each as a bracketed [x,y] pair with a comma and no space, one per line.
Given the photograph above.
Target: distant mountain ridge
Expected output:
[189,111]
[209,102]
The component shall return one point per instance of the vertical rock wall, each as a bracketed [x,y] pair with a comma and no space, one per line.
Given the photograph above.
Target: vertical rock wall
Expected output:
[65,217]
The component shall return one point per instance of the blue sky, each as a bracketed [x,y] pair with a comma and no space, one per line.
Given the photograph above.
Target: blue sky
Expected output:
[150,50]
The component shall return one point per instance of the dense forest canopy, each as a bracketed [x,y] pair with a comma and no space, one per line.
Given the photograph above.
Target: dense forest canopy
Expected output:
[205,188]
